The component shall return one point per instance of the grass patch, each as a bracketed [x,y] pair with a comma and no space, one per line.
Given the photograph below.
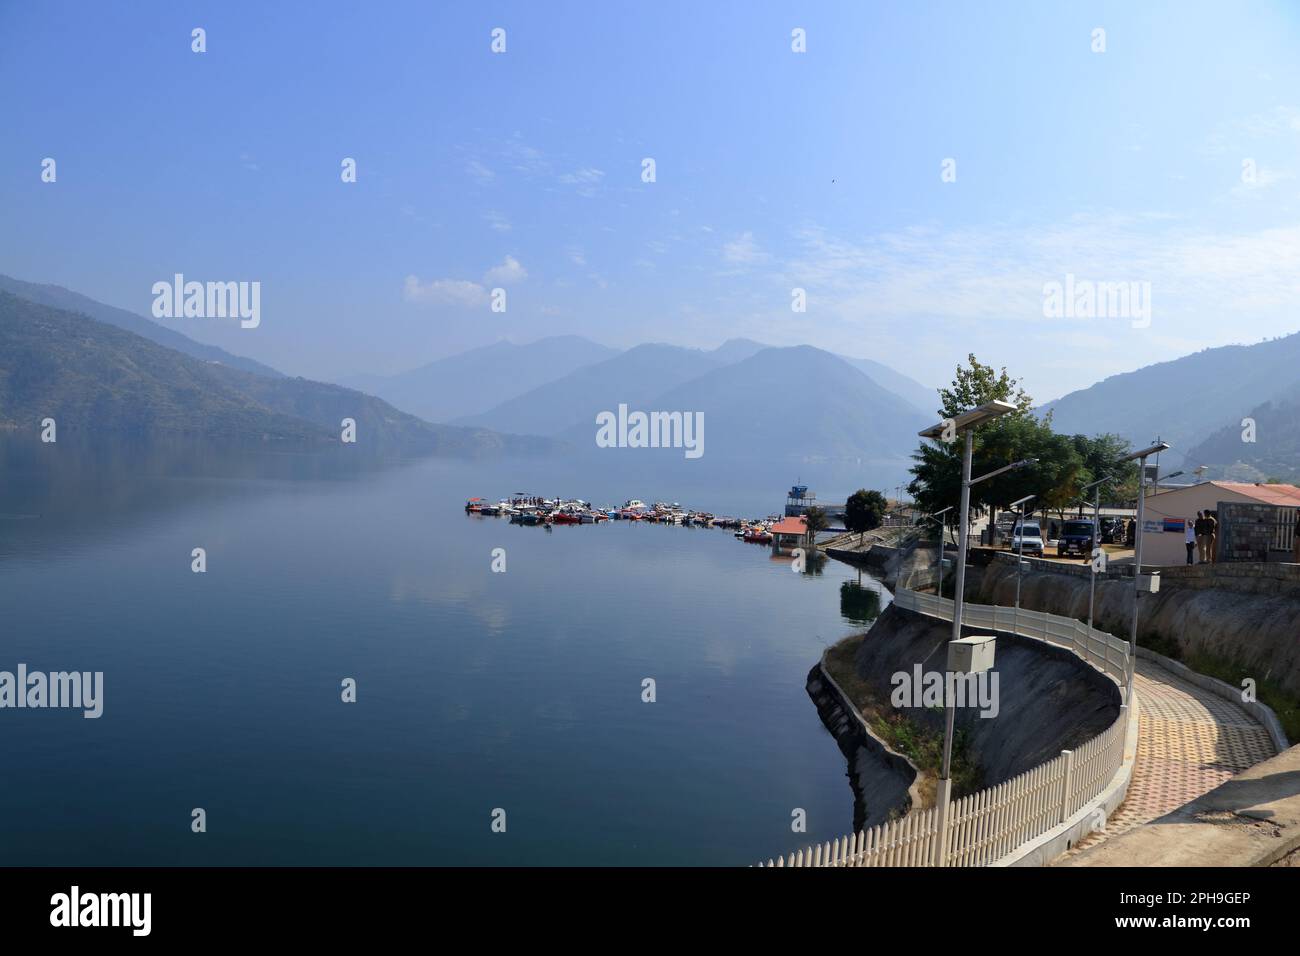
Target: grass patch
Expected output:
[914,740]
[1284,703]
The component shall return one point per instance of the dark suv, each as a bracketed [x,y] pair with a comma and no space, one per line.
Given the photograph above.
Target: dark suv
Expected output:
[1076,538]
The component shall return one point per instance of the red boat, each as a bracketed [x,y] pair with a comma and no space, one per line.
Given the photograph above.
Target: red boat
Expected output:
[473,506]
[564,517]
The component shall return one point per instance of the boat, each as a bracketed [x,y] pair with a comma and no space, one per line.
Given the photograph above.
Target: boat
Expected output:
[474,506]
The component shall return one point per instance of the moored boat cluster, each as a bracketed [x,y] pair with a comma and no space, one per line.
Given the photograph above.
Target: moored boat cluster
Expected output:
[536,510]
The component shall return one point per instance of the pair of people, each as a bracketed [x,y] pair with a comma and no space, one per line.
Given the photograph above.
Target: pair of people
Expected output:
[1206,528]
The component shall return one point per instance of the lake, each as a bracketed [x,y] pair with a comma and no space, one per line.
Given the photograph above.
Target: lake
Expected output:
[476,690]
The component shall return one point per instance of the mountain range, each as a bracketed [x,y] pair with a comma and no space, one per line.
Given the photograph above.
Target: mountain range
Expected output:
[96,379]
[98,367]
[1197,403]
[57,297]
[464,384]
[797,402]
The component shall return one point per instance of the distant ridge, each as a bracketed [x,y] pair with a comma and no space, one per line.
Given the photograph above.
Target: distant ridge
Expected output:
[634,376]
[58,297]
[797,402]
[97,379]
[1184,400]
[474,381]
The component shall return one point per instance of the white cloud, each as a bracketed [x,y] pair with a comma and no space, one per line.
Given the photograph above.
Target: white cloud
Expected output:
[742,250]
[459,292]
[587,180]
[497,221]
[922,297]
[463,292]
[509,271]
[525,159]
[479,172]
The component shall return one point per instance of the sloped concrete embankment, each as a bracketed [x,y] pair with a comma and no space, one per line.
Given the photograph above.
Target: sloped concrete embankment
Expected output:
[891,563]
[1252,622]
[883,782]
[1047,699]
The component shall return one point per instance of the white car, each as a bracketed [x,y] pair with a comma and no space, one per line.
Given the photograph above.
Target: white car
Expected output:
[1033,539]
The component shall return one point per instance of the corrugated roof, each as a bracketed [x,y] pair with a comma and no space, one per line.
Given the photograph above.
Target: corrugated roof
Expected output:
[790,526]
[1288,496]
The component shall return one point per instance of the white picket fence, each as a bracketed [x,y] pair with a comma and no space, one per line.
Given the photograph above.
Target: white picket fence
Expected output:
[990,825]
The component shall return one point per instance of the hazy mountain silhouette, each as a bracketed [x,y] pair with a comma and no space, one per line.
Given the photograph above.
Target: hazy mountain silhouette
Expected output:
[632,377]
[474,381]
[913,392]
[1275,450]
[925,400]
[96,379]
[1184,400]
[58,297]
[737,350]
[798,402]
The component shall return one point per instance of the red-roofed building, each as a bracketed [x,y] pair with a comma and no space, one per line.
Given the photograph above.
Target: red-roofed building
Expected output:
[1163,540]
[789,532]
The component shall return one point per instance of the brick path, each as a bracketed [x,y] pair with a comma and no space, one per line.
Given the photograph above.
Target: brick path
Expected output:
[1189,742]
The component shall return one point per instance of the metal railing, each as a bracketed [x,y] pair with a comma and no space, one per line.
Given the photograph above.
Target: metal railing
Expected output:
[991,826]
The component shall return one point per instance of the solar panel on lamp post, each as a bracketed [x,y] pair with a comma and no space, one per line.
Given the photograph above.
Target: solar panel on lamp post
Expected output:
[948,430]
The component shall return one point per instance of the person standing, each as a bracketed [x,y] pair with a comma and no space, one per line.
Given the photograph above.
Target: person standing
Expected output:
[1202,535]
[1212,526]
[1189,532]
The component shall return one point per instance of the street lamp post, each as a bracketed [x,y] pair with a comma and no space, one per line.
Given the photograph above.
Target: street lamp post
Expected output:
[964,425]
[938,516]
[1141,458]
[1095,487]
[1020,555]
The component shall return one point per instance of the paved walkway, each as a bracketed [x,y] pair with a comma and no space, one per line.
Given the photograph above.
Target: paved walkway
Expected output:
[1189,742]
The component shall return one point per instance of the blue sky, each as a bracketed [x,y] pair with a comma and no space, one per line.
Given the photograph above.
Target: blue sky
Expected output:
[775,170]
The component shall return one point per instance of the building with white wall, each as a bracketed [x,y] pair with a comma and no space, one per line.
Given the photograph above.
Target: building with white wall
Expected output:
[1163,537]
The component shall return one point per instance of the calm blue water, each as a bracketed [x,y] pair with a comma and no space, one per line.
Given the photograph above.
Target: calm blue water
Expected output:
[476,690]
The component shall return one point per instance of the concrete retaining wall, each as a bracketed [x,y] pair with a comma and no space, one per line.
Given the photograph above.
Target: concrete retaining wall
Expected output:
[884,783]
[1244,623]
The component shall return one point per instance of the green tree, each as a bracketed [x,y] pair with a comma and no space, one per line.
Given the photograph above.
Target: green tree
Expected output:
[979,384]
[1064,463]
[864,511]
[937,473]
[815,520]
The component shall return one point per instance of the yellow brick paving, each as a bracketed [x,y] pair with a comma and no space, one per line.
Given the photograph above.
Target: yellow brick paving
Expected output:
[1189,742]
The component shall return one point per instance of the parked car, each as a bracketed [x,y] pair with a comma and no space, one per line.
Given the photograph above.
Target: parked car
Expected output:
[1033,539]
[1076,539]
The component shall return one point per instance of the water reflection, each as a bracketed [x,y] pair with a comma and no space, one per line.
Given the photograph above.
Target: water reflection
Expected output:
[859,604]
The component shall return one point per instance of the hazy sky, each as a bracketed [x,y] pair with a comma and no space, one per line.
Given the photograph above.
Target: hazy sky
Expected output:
[775,170]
